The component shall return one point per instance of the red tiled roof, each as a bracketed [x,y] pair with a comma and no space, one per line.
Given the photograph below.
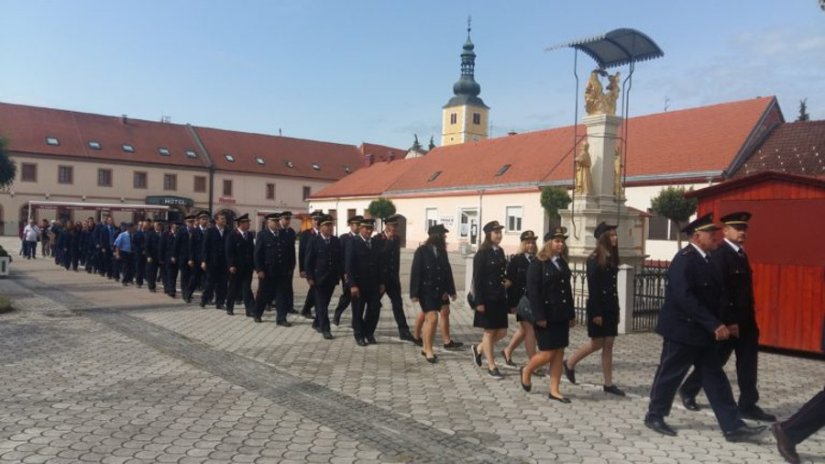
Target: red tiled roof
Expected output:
[276,152]
[27,127]
[381,152]
[370,181]
[793,148]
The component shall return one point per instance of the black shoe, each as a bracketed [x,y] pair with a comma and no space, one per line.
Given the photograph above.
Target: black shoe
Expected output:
[569,373]
[283,324]
[657,424]
[507,361]
[336,319]
[526,387]
[494,373]
[689,402]
[406,336]
[203,304]
[230,312]
[220,306]
[432,360]
[558,398]
[371,340]
[417,341]
[360,342]
[248,314]
[292,311]
[756,413]
[744,432]
[784,445]
[258,319]
[453,345]
[316,328]
[328,335]
[614,390]
[476,355]
[307,314]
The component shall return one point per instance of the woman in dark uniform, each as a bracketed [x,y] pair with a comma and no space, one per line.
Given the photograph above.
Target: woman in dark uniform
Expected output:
[517,274]
[490,291]
[551,299]
[602,306]
[432,285]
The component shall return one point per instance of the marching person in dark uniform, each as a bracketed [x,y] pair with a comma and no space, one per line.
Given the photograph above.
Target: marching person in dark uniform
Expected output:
[271,267]
[286,238]
[152,252]
[89,249]
[551,301]
[345,299]
[240,260]
[807,421]
[139,246]
[305,240]
[389,245]
[167,255]
[602,306]
[490,286]
[195,256]
[213,262]
[729,257]
[64,243]
[691,321]
[431,284]
[365,274]
[517,274]
[76,246]
[180,257]
[323,268]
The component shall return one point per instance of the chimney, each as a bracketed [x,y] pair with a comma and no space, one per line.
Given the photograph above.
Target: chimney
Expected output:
[512,132]
[368,160]
[124,119]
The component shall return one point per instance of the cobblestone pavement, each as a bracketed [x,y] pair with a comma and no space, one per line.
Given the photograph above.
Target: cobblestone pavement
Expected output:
[94,372]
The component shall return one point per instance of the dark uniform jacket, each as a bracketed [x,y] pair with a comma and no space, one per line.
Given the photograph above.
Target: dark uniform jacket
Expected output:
[602,292]
[240,251]
[272,253]
[286,237]
[181,245]
[489,272]
[550,292]
[166,249]
[693,300]
[345,239]
[213,252]
[324,262]
[390,251]
[517,274]
[431,276]
[306,238]
[363,265]
[738,282]
[138,243]
[195,251]
[152,249]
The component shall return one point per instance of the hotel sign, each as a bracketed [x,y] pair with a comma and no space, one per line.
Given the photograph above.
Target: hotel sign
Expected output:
[169,201]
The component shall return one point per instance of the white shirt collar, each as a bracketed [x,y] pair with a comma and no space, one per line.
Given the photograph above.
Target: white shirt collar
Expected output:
[733,245]
[701,252]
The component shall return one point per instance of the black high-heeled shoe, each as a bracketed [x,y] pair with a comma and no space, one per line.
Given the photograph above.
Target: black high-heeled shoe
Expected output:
[524,386]
[432,360]
[559,399]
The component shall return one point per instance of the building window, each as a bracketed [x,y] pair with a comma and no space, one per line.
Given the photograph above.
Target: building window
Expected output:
[200,184]
[270,191]
[260,161]
[316,166]
[307,192]
[95,145]
[350,213]
[128,148]
[65,175]
[140,180]
[229,158]
[164,151]
[28,172]
[347,169]
[453,118]
[170,182]
[191,154]
[52,141]
[476,118]
[514,215]
[104,177]
[227,187]
[434,176]
[431,218]
[502,170]
[289,164]
[661,228]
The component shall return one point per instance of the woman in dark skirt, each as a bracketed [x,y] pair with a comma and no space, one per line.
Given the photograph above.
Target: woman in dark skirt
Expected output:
[602,306]
[517,274]
[490,291]
[432,285]
[551,300]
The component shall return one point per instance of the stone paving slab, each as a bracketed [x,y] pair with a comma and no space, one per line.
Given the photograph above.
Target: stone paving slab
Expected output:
[97,372]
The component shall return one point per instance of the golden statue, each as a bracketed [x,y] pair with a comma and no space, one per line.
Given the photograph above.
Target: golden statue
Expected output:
[583,179]
[596,101]
[618,174]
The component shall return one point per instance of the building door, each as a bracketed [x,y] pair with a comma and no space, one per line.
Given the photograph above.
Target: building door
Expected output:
[468,227]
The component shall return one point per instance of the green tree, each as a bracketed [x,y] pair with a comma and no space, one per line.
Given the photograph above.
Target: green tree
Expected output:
[803,110]
[381,208]
[672,204]
[554,199]
[8,170]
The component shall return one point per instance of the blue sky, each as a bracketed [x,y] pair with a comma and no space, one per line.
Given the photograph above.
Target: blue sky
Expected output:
[380,70]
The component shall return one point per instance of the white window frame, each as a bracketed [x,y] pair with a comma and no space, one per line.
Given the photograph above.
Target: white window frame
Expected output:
[430,218]
[510,212]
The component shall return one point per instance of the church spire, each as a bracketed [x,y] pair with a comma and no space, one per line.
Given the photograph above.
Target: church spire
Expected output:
[467,86]
[465,116]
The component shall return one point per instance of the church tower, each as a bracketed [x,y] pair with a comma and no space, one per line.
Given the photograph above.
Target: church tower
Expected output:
[465,117]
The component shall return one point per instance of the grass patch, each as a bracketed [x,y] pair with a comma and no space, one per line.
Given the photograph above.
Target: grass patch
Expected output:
[5,305]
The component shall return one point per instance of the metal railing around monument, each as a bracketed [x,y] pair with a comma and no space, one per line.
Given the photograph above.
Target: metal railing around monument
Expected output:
[649,285]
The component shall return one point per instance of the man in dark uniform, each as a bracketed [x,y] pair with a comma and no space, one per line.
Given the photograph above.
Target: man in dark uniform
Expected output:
[271,268]
[323,269]
[365,275]
[691,321]
[195,256]
[180,256]
[306,238]
[139,245]
[389,245]
[105,235]
[152,253]
[240,259]
[213,262]
[167,255]
[807,421]
[286,236]
[736,273]
[345,299]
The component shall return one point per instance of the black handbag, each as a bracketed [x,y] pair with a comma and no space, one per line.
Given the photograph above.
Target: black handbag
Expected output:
[523,310]
[471,300]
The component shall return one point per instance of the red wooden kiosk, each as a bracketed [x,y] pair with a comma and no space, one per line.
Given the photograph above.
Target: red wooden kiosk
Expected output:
[786,247]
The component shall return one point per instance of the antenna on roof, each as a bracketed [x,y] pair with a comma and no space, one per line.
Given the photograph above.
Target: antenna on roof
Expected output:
[165,118]
[667,103]
[279,132]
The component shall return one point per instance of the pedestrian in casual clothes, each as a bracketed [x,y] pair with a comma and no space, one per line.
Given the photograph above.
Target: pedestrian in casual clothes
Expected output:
[124,253]
[45,243]
[30,235]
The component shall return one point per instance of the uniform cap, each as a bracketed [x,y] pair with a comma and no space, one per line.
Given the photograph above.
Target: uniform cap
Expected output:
[528,235]
[325,219]
[242,218]
[369,223]
[739,218]
[557,232]
[355,219]
[392,220]
[602,228]
[702,224]
[491,226]
[437,229]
